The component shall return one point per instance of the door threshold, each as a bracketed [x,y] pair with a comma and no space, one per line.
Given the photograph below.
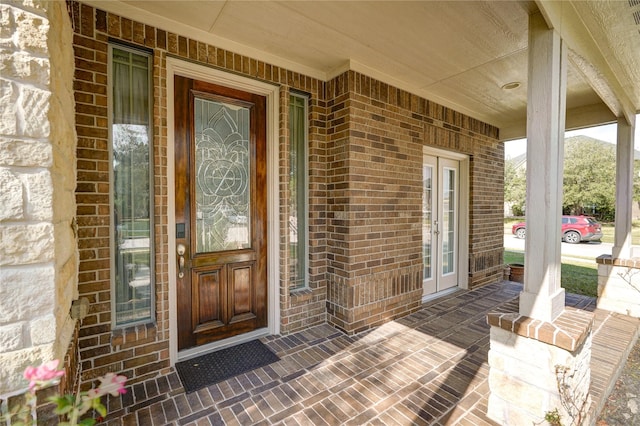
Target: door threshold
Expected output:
[433,296]
[222,344]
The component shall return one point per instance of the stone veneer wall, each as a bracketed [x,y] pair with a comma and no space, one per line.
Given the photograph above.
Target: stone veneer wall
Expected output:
[525,375]
[376,134]
[538,367]
[374,277]
[619,285]
[38,254]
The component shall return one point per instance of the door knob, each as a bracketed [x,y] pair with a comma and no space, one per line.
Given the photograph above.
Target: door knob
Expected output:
[181,249]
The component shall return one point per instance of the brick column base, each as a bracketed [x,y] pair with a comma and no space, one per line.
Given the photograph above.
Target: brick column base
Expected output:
[538,368]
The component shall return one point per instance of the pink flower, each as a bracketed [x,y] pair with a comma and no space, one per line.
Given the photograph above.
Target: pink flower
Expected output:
[43,374]
[112,384]
[71,407]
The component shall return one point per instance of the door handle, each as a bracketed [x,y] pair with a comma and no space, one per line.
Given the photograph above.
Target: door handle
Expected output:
[181,249]
[435,226]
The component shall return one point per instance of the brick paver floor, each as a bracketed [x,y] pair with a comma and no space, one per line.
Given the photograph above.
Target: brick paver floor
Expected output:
[429,367]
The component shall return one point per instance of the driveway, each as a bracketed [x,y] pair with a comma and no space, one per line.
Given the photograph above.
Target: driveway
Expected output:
[587,249]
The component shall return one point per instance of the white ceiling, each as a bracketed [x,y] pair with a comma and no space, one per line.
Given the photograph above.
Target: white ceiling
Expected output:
[457,53]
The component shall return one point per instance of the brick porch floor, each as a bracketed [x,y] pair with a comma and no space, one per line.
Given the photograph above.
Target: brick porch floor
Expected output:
[427,368]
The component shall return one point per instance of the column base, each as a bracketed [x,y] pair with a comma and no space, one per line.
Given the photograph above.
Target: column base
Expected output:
[539,368]
[547,309]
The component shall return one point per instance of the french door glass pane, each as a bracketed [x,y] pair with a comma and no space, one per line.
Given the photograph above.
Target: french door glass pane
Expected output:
[427,220]
[132,194]
[222,174]
[448,221]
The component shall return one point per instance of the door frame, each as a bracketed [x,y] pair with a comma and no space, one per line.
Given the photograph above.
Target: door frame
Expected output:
[463,215]
[272,94]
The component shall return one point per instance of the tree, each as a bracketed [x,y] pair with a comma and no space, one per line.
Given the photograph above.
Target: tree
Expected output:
[589,177]
[515,186]
[589,181]
[131,174]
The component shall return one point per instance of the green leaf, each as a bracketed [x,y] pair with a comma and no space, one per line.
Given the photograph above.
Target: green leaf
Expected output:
[64,409]
[101,409]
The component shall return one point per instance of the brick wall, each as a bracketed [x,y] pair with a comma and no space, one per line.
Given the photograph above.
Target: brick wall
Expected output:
[143,351]
[302,308]
[365,156]
[376,134]
[486,242]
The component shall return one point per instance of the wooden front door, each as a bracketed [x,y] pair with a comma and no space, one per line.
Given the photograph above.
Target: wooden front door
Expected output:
[221,211]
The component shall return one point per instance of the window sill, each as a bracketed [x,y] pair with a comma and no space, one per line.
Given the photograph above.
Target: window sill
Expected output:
[132,334]
[301,295]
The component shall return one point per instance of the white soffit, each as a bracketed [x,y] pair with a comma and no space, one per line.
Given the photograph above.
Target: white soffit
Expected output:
[456,53]
[604,43]
[154,13]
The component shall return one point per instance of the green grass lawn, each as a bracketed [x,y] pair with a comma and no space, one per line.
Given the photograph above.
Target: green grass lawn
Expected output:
[576,277]
[608,231]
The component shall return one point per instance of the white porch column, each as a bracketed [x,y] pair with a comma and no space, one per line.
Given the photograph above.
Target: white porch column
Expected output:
[619,273]
[542,297]
[624,189]
[543,347]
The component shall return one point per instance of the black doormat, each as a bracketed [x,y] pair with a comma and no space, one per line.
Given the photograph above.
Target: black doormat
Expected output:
[214,367]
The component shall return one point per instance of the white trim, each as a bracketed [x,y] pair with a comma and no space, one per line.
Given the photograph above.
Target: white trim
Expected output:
[463,224]
[216,346]
[272,93]
[438,295]
[463,210]
[438,152]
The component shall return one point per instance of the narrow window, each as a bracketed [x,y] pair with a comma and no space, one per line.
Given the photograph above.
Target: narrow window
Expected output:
[131,195]
[298,214]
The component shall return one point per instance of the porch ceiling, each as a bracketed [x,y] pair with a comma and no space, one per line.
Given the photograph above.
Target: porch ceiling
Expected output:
[457,53]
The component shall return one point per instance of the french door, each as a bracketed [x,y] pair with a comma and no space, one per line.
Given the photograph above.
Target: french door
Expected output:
[440,223]
[220,210]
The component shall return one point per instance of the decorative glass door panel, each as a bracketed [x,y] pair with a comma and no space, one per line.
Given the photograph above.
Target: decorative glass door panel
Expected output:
[440,195]
[221,212]
[223,185]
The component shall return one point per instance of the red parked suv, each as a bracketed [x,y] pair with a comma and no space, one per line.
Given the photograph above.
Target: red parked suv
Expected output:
[575,229]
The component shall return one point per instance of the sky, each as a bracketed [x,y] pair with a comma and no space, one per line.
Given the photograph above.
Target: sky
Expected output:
[606,133]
